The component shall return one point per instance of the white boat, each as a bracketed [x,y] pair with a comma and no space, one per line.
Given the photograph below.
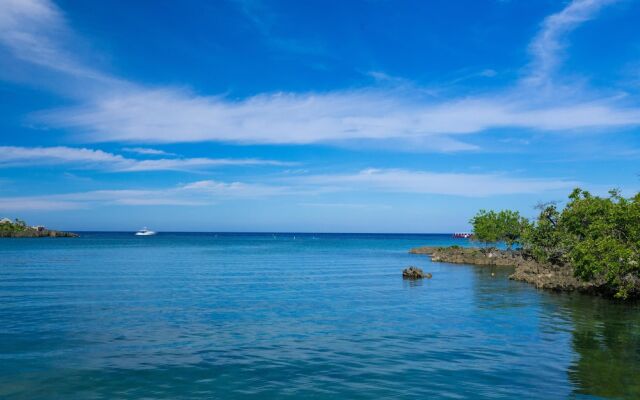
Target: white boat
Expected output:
[145,232]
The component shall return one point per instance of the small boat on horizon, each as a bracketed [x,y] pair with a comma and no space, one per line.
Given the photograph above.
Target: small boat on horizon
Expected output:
[145,232]
[462,235]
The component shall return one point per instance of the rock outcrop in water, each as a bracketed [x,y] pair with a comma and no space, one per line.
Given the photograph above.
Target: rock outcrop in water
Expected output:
[543,276]
[468,255]
[35,233]
[19,229]
[415,273]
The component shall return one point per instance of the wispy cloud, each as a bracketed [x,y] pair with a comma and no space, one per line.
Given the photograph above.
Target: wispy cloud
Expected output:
[200,193]
[129,112]
[165,116]
[186,164]
[306,189]
[264,21]
[426,182]
[147,151]
[36,32]
[548,45]
[14,155]
[11,156]
[359,206]
[37,203]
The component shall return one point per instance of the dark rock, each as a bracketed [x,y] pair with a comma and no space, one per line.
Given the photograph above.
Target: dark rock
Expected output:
[415,273]
[34,233]
[470,255]
[526,269]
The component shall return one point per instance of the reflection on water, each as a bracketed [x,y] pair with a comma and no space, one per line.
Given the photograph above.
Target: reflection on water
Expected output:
[606,339]
[604,334]
[412,282]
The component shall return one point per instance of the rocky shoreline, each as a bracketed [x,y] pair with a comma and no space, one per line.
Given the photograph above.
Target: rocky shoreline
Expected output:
[543,276]
[34,233]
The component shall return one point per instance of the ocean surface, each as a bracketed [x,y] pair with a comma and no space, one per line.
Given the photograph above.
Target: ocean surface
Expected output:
[294,316]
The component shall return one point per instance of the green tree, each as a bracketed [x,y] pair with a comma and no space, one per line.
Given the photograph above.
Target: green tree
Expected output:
[543,238]
[511,226]
[606,237]
[503,226]
[485,227]
[599,237]
[16,226]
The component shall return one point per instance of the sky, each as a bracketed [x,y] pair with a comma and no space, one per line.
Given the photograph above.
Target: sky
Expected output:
[312,116]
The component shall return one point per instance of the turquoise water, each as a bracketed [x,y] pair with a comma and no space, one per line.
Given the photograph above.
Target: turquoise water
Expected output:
[192,316]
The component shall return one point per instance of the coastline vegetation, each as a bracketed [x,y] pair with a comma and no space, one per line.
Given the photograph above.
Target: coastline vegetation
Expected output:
[8,226]
[598,237]
[502,226]
[19,229]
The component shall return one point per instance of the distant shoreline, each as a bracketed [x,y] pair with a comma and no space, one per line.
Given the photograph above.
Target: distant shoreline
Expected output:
[310,233]
[38,234]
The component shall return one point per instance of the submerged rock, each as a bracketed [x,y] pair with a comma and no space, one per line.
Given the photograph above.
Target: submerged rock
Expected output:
[415,273]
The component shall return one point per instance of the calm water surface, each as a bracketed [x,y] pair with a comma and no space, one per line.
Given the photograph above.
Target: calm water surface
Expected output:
[260,316]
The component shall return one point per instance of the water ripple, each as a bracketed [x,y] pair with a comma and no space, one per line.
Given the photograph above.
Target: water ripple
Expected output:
[245,316]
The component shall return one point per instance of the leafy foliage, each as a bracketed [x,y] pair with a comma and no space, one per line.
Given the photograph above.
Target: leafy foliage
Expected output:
[15,226]
[598,237]
[543,240]
[605,237]
[503,226]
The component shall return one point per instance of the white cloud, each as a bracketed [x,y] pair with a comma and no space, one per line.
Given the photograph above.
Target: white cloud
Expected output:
[426,182]
[147,151]
[35,31]
[97,159]
[36,203]
[187,164]
[304,188]
[200,193]
[14,155]
[128,112]
[165,116]
[548,45]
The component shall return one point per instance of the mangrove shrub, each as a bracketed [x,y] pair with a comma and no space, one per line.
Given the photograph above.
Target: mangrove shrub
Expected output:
[502,226]
[599,237]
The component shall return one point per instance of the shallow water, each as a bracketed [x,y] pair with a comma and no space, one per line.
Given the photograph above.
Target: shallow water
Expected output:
[294,316]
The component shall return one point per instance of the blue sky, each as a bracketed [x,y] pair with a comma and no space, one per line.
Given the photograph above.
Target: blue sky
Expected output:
[317,116]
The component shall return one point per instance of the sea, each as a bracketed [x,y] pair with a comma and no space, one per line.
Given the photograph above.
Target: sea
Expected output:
[295,316]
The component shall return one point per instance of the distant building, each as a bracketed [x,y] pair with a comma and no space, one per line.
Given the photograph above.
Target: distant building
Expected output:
[6,221]
[39,228]
[463,235]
